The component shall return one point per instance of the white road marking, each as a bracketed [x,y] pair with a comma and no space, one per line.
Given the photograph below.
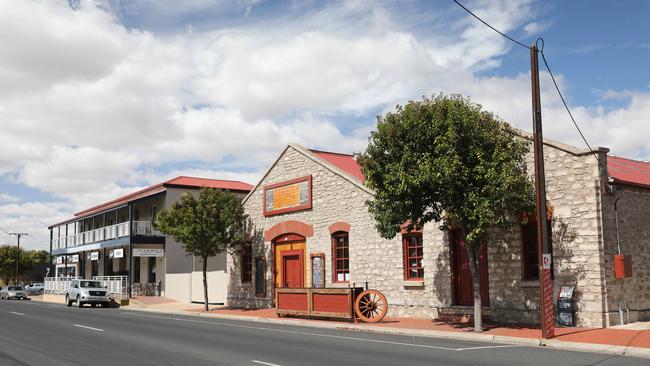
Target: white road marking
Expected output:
[13,312]
[301,333]
[265,363]
[91,328]
[488,347]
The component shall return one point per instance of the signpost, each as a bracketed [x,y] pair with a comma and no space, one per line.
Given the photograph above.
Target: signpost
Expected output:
[317,270]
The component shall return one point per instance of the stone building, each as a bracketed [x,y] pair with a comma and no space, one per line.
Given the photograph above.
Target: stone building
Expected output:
[312,203]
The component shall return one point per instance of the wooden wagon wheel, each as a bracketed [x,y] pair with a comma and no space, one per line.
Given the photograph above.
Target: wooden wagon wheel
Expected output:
[371,306]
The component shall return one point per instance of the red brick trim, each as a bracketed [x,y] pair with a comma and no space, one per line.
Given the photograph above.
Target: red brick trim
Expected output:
[339,226]
[405,231]
[288,227]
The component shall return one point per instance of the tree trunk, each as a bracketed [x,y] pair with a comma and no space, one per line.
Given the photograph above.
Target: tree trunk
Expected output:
[205,283]
[476,283]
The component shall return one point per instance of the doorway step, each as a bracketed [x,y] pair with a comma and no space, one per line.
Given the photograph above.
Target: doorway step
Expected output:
[462,315]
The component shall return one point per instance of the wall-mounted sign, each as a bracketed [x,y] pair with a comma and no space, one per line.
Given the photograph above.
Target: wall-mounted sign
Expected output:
[94,256]
[73,258]
[118,253]
[59,260]
[547,261]
[145,252]
[317,270]
[292,195]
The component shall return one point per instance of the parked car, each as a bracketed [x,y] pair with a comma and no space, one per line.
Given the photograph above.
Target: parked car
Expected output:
[34,288]
[87,292]
[13,292]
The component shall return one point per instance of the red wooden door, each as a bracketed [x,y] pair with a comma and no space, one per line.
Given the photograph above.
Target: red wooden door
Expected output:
[461,274]
[292,271]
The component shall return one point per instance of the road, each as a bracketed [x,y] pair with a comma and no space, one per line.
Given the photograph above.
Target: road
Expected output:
[37,333]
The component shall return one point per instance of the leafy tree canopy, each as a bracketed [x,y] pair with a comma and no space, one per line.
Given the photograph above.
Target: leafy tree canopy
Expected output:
[446,159]
[212,224]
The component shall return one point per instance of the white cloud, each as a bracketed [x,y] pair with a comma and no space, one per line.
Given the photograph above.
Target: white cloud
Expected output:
[32,218]
[8,198]
[535,28]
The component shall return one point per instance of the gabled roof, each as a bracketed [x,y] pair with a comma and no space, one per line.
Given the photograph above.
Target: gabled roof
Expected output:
[628,171]
[181,182]
[343,165]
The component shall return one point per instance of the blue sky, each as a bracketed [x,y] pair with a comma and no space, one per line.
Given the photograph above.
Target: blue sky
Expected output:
[104,97]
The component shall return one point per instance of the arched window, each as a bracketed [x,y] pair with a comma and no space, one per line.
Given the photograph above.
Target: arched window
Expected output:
[340,257]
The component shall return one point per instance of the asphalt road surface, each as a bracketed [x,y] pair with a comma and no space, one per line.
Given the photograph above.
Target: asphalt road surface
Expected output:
[45,334]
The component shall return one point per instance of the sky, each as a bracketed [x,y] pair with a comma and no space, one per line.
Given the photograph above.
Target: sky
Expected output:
[101,98]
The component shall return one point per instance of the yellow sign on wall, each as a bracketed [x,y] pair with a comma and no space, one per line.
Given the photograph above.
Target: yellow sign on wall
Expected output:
[287,196]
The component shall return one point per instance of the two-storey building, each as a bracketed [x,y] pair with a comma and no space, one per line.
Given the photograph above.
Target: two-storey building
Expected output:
[117,238]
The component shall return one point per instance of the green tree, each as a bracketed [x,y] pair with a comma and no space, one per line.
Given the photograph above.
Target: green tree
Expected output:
[212,224]
[447,160]
[8,263]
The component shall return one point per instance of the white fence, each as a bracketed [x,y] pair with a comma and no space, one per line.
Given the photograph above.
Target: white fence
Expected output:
[57,285]
[117,286]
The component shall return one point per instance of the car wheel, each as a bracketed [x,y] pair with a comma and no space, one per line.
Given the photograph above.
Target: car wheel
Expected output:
[68,303]
[79,303]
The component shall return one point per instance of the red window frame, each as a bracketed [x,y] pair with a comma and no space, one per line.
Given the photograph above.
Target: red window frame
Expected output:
[529,250]
[246,256]
[410,257]
[340,257]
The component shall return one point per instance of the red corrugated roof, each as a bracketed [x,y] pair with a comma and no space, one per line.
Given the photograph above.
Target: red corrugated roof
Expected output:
[347,163]
[629,171]
[182,181]
[211,183]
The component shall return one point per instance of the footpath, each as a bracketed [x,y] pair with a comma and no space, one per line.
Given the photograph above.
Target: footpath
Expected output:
[630,340]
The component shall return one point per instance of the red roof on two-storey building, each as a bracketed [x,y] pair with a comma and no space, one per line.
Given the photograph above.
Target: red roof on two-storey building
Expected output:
[181,182]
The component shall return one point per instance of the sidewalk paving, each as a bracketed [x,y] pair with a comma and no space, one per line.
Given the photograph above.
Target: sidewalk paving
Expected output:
[632,340]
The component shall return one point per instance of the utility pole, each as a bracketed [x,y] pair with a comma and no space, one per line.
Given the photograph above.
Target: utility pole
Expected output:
[547,316]
[18,235]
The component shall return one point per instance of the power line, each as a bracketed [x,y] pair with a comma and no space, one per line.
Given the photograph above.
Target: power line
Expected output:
[491,27]
[602,167]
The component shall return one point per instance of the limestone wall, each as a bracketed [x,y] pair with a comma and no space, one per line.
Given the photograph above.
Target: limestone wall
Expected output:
[372,259]
[573,192]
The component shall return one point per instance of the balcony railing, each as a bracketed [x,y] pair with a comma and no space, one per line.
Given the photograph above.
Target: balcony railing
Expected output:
[144,228]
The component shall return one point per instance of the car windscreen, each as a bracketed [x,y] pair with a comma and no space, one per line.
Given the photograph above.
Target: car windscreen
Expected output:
[90,284]
[15,288]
